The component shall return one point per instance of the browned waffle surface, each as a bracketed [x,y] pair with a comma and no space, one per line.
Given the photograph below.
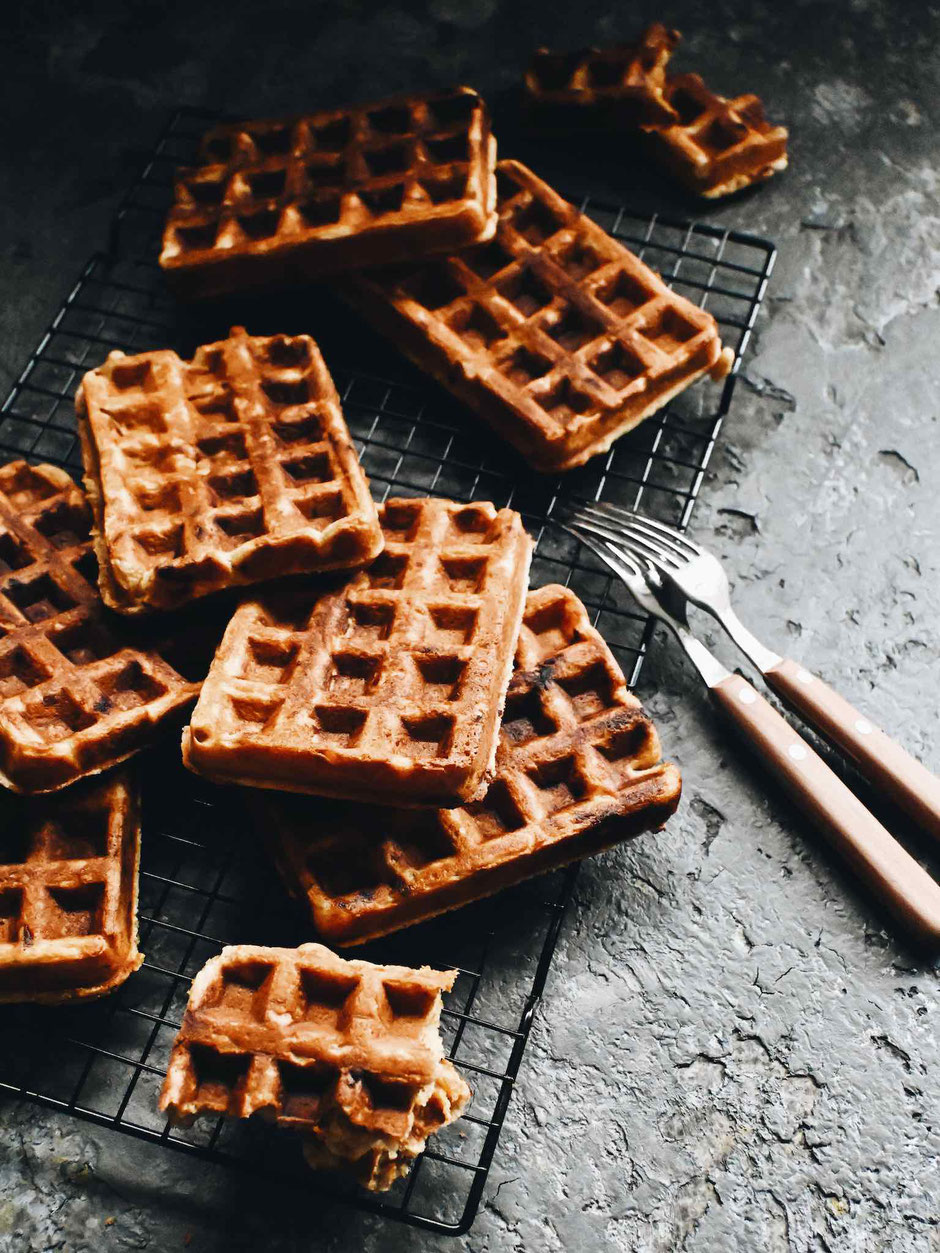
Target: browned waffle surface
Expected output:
[578,769]
[623,83]
[77,692]
[390,684]
[714,145]
[68,892]
[229,469]
[554,332]
[346,1052]
[279,201]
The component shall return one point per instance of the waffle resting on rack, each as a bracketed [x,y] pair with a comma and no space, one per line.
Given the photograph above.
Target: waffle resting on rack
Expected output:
[232,468]
[68,892]
[345,1052]
[553,332]
[623,83]
[578,769]
[79,692]
[389,684]
[277,202]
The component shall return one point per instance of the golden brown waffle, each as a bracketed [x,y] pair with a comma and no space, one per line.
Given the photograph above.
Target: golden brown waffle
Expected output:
[578,769]
[623,84]
[713,145]
[716,146]
[68,892]
[389,685]
[77,694]
[554,332]
[229,469]
[283,201]
[345,1052]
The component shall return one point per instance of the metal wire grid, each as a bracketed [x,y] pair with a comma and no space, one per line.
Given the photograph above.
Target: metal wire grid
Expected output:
[202,882]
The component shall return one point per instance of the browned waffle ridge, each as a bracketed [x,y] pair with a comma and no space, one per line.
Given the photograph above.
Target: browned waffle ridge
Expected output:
[390,684]
[346,1052]
[716,146]
[622,83]
[77,694]
[554,332]
[713,145]
[68,892]
[277,202]
[230,469]
[578,769]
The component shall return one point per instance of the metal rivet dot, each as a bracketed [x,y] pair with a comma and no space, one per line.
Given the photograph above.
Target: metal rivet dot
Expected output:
[863,726]
[747,696]
[797,751]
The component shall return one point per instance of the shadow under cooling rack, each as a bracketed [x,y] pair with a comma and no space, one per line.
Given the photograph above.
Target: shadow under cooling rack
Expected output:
[203,883]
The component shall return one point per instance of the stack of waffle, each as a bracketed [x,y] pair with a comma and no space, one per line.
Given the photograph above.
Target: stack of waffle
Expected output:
[713,145]
[417,728]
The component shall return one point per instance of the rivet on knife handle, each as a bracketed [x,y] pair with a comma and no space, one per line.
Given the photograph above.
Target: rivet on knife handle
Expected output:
[899,881]
[886,764]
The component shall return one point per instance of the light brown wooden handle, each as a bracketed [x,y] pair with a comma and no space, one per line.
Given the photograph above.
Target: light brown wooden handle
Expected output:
[899,881]
[884,763]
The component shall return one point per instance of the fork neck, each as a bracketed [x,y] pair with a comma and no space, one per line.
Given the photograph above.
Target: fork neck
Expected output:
[759,656]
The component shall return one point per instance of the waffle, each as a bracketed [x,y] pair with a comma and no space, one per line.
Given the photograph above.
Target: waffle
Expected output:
[554,332]
[229,469]
[716,146]
[578,769]
[345,1052]
[713,145]
[388,685]
[621,84]
[277,202]
[77,693]
[68,892]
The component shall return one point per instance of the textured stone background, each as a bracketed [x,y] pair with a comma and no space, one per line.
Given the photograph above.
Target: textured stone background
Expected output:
[733,1053]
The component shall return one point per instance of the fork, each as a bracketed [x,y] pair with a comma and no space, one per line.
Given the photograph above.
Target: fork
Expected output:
[699,577]
[894,876]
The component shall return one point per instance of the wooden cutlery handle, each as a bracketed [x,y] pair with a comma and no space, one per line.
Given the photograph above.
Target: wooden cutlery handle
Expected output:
[886,764]
[899,881]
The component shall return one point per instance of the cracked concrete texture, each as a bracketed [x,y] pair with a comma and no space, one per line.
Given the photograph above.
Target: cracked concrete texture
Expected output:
[733,1052]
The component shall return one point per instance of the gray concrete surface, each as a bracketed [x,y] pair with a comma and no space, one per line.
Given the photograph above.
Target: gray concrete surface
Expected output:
[733,1052]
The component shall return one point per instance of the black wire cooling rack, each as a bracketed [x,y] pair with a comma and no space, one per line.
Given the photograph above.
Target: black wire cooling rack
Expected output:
[202,884]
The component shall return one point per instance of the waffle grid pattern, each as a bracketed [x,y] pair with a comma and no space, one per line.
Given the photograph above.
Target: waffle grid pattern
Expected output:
[75,698]
[631,75]
[578,768]
[409,659]
[342,1051]
[203,877]
[714,145]
[68,893]
[394,174]
[225,470]
[555,332]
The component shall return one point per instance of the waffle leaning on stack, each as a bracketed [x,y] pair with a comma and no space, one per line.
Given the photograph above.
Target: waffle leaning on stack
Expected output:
[416,728]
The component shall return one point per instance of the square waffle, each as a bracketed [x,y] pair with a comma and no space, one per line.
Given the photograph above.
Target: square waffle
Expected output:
[716,146]
[345,1052]
[554,332]
[68,892]
[578,769]
[283,201]
[390,684]
[77,693]
[623,84]
[229,469]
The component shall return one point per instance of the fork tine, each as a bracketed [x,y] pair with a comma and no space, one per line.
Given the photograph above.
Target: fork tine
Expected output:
[623,563]
[631,536]
[628,517]
[657,556]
